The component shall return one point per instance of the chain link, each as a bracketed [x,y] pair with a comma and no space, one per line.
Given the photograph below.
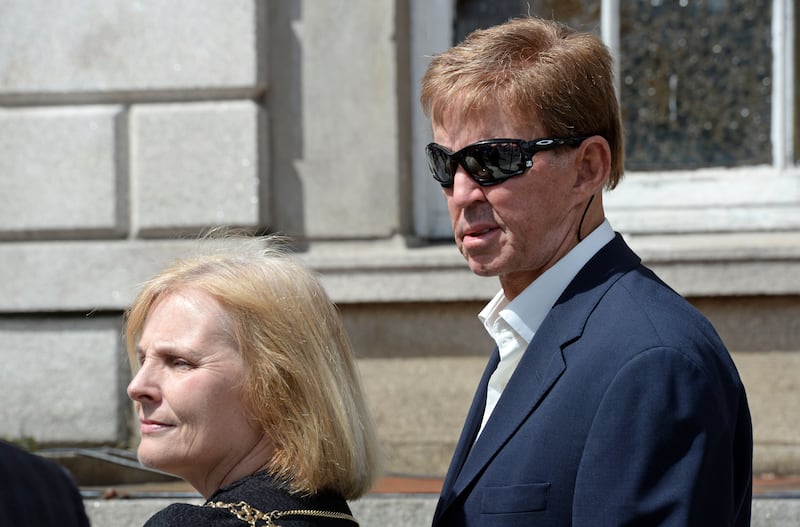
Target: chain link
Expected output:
[250,515]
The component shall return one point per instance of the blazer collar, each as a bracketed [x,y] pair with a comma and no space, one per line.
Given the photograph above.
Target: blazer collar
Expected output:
[540,367]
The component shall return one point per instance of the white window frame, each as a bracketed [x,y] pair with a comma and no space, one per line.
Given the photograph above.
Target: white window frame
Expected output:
[744,198]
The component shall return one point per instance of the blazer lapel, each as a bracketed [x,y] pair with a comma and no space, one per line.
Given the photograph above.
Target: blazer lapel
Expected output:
[468,433]
[540,367]
[532,379]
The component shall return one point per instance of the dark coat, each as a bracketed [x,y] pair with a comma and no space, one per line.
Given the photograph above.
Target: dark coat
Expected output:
[261,492]
[626,409]
[37,492]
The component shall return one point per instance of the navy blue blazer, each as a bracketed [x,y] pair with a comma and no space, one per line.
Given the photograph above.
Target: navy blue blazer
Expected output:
[625,409]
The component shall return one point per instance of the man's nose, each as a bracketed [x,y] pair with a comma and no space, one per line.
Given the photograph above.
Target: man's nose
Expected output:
[465,189]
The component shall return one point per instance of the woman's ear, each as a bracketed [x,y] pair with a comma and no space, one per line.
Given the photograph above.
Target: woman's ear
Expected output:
[593,161]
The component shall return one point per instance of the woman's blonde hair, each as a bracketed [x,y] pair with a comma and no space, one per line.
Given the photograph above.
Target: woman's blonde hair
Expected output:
[536,71]
[302,385]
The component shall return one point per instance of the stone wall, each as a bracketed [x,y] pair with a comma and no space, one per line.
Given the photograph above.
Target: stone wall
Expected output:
[126,128]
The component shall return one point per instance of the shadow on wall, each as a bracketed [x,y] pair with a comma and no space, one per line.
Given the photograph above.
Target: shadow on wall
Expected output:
[282,196]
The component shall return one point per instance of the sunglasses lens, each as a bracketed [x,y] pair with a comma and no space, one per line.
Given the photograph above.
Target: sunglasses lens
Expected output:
[443,166]
[494,162]
[487,163]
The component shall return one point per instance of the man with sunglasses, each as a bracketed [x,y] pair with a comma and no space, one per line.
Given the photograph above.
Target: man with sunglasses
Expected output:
[609,400]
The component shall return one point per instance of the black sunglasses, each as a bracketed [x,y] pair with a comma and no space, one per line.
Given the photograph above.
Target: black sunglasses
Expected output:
[490,161]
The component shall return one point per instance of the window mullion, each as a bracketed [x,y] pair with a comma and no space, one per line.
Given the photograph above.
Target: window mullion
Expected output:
[609,29]
[782,77]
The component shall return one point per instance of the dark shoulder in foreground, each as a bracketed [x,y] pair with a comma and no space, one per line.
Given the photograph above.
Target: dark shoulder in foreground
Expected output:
[36,491]
[262,493]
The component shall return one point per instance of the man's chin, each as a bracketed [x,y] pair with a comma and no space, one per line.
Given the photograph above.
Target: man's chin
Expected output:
[479,268]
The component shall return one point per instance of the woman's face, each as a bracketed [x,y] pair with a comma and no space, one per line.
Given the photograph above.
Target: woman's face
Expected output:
[188,394]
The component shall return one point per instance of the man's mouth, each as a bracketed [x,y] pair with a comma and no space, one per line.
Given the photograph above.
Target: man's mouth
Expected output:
[478,232]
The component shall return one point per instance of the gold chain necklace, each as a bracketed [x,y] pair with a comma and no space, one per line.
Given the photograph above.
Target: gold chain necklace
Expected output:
[251,515]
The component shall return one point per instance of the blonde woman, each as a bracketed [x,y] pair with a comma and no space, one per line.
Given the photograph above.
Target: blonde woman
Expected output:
[246,387]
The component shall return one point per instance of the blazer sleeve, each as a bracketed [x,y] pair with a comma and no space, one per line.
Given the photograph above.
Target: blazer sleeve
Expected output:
[667,448]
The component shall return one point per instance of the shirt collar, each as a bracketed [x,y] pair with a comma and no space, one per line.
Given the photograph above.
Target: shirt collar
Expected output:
[527,311]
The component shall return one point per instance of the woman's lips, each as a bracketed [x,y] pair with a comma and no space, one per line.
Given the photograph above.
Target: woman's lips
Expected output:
[148,426]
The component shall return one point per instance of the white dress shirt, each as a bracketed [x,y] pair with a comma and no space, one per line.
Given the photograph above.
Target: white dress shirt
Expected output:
[513,324]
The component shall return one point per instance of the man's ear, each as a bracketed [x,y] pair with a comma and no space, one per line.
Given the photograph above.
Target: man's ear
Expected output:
[593,161]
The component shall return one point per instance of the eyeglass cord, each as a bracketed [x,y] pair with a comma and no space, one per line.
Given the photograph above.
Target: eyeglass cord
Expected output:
[580,225]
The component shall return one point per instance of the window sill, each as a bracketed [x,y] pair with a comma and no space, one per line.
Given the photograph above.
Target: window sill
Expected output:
[725,264]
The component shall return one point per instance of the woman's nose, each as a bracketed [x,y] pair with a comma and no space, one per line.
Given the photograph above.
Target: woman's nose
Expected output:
[143,386]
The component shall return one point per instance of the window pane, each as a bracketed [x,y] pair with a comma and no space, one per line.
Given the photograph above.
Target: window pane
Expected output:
[474,14]
[695,82]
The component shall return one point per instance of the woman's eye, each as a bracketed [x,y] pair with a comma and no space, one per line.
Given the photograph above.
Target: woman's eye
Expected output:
[178,362]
